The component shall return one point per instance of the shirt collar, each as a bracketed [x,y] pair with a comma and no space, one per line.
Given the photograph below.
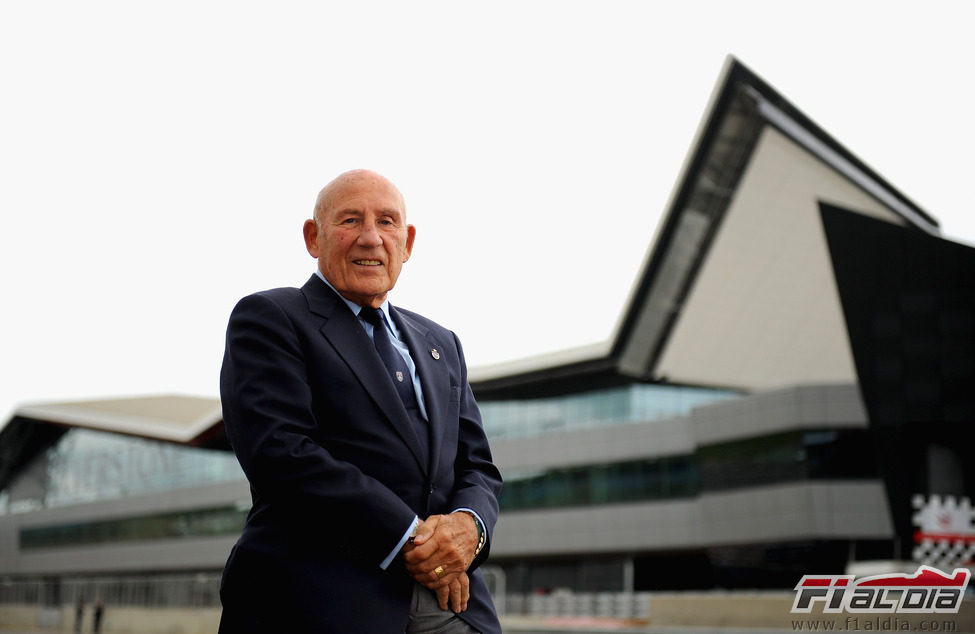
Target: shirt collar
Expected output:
[355,308]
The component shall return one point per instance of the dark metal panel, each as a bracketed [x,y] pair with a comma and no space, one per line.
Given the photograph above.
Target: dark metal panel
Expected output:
[909,303]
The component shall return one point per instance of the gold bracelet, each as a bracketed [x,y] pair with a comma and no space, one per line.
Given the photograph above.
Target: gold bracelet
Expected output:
[480,533]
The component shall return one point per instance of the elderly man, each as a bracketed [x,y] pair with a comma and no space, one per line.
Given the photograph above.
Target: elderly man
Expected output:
[374,494]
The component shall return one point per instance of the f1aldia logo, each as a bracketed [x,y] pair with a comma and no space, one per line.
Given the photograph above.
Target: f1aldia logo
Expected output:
[927,590]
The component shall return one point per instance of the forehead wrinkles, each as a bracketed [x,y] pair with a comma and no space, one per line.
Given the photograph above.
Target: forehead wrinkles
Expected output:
[359,185]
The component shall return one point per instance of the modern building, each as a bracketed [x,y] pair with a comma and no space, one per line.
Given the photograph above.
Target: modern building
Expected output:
[834,330]
[795,363]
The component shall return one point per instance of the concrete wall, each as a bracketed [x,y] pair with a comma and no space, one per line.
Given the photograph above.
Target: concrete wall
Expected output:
[206,553]
[117,620]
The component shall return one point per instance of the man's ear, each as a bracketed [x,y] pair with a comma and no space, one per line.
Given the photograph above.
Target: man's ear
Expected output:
[410,237]
[311,237]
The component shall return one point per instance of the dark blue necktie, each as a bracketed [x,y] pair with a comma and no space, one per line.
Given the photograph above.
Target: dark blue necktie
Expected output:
[391,357]
[399,373]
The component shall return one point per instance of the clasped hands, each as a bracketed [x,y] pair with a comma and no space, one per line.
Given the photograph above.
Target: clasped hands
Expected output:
[440,555]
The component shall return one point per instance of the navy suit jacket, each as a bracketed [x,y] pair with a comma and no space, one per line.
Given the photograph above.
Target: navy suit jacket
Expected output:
[335,466]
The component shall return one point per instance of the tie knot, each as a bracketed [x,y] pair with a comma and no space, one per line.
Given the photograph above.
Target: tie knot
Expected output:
[372,315]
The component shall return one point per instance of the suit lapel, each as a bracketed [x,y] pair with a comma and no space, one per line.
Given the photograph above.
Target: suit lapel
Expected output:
[343,331]
[434,377]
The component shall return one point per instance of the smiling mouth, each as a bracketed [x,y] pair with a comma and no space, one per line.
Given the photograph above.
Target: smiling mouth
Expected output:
[368,262]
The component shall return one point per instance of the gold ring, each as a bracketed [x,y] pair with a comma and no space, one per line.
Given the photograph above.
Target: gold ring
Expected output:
[439,572]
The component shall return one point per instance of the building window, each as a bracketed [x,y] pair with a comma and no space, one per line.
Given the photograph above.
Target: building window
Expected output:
[650,479]
[787,457]
[197,523]
[635,403]
[89,466]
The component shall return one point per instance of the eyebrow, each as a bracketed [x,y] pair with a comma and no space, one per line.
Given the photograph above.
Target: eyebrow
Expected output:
[355,211]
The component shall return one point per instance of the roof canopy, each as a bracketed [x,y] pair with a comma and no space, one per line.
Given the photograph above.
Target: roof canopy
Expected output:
[188,420]
[737,289]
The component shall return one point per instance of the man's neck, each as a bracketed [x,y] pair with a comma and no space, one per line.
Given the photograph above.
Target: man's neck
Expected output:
[353,305]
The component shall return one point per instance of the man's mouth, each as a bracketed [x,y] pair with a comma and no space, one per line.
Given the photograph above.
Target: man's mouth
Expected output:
[368,262]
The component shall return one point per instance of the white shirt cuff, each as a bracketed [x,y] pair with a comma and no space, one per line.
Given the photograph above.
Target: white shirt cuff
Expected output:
[402,542]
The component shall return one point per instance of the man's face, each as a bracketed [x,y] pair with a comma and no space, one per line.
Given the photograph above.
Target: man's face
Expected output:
[361,238]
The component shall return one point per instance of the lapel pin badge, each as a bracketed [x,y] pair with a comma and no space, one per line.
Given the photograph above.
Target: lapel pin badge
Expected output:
[435,354]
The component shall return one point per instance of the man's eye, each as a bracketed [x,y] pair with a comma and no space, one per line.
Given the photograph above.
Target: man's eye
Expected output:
[348,221]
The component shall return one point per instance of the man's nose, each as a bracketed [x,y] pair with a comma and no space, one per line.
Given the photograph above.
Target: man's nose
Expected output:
[369,236]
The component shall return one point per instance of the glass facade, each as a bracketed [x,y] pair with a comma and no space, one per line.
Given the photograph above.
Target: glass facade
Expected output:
[789,456]
[196,523]
[660,478]
[757,461]
[634,403]
[88,466]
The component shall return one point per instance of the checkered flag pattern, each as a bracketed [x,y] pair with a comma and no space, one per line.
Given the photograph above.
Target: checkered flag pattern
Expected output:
[945,536]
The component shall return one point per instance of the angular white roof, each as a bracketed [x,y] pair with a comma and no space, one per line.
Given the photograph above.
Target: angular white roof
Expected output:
[175,418]
[737,287]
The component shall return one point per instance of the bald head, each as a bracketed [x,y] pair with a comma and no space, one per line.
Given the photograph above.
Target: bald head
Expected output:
[352,178]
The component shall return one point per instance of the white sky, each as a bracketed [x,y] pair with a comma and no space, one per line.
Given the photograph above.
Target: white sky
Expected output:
[158,159]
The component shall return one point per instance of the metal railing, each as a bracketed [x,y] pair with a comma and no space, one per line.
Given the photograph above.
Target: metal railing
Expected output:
[203,590]
[199,590]
[616,605]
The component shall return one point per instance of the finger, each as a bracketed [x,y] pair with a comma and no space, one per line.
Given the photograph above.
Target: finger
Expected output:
[419,569]
[456,595]
[450,559]
[440,576]
[442,595]
[422,552]
[414,558]
[431,579]
[426,529]
[465,587]
[426,548]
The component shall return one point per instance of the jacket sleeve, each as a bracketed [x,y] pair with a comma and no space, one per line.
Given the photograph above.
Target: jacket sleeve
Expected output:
[268,414]
[477,482]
